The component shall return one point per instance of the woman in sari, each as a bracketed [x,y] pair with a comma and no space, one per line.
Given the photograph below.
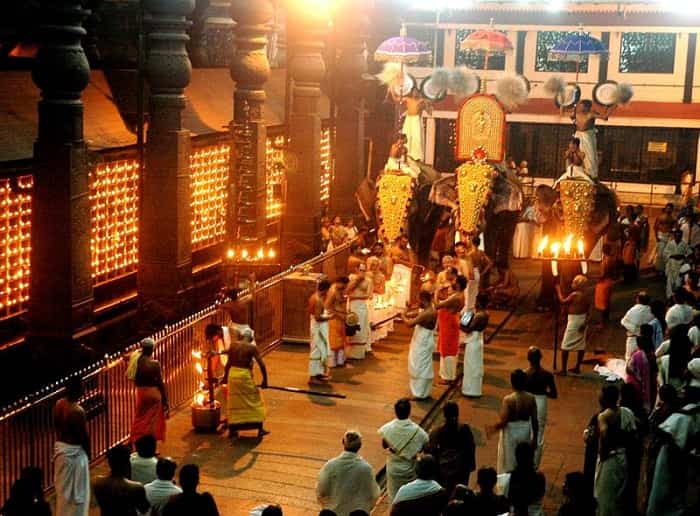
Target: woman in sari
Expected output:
[639,374]
[151,399]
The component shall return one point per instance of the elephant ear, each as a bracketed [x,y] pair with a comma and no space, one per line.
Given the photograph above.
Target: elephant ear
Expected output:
[444,191]
[546,195]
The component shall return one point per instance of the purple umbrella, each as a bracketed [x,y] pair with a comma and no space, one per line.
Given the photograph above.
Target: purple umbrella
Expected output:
[402,49]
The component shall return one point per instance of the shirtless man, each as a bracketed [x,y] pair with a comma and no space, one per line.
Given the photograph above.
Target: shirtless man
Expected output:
[574,156]
[480,261]
[72,452]
[355,258]
[386,265]
[412,125]
[611,473]
[584,121]
[319,348]
[464,263]
[578,305]
[517,423]
[245,405]
[336,306]
[401,254]
[445,278]
[540,383]
[663,226]
[359,294]
[448,329]
[397,154]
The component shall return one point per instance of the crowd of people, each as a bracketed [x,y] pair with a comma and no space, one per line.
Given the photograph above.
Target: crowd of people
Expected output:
[638,447]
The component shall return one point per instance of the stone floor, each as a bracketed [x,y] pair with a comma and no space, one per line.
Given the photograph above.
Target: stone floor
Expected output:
[306,430]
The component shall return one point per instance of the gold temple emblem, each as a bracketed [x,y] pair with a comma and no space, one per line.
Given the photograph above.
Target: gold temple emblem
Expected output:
[474,180]
[481,122]
[394,192]
[578,200]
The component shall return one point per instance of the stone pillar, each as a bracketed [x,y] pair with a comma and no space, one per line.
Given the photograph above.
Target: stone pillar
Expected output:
[350,32]
[300,228]
[250,70]
[165,247]
[61,298]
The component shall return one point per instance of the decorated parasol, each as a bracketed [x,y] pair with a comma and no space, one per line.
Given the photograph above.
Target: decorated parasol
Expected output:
[488,41]
[576,47]
[402,49]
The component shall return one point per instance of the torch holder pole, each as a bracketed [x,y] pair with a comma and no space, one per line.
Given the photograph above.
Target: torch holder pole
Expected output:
[210,378]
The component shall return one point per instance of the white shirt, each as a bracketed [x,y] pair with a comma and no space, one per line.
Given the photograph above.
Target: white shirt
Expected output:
[143,470]
[679,314]
[158,494]
[346,483]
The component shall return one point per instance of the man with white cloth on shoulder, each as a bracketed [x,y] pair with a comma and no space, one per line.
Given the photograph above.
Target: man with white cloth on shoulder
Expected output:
[681,312]
[518,422]
[346,483]
[675,254]
[420,353]
[403,439]
[473,369]
[319,349]
[540,383]
[71,453]
[359,293]
[633,320]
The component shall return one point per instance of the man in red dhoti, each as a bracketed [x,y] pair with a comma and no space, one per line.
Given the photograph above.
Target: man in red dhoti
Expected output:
[448,330]
[151,399]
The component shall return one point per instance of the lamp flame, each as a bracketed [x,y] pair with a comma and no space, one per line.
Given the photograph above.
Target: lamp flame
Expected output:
[196,354]
[579,246]
[230,254]
[555,248]
[199,399]
[198,367]
[543,245]
[567,244]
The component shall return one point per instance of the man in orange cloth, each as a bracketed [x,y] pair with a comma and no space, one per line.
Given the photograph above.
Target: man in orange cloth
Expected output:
[151,399]
[448,330]
[336,306]
[603,289]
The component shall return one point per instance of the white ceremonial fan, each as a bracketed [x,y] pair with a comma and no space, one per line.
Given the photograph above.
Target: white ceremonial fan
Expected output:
[570,97]
[431,90]
[606,93]
[408,84]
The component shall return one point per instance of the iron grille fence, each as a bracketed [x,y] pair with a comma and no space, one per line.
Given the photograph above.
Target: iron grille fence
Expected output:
[27,435]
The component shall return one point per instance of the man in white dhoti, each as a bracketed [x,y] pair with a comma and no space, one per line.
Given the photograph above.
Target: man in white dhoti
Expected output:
[584,120]
[675,254]
[465,266]
[359,294]
[346,483]
[633,320]
[413,125]
[540,383]
[402,274]
[611,474]
[420,353]
[578,305]
[319,350]
[71,453]
[663,226]
[517,423]
[403,439]
[473,368]
[575,159]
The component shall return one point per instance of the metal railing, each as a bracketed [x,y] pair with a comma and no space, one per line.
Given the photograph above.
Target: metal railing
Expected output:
[27,434]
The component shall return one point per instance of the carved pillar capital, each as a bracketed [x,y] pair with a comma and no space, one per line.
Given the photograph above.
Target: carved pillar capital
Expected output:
[250,68]
[307,31]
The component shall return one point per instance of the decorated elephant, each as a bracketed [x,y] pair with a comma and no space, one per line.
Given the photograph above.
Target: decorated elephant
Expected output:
[435,197]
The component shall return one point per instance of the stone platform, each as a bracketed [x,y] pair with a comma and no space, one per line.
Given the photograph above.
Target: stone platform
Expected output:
[306,430]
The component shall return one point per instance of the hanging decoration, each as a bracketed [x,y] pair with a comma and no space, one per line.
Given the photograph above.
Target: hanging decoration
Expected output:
[394,193]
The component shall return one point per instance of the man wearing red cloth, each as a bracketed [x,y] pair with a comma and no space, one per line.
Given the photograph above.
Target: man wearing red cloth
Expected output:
[448,330]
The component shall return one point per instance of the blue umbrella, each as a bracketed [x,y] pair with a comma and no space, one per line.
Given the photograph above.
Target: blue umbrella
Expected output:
[575,47]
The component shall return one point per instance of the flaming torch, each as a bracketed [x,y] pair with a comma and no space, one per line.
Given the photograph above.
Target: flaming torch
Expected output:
[206,411]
